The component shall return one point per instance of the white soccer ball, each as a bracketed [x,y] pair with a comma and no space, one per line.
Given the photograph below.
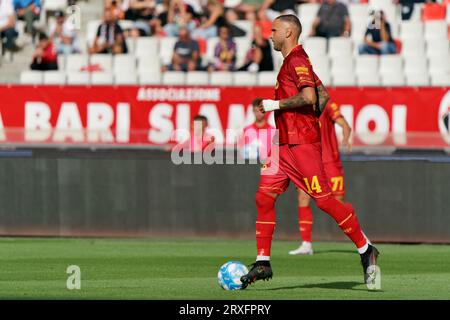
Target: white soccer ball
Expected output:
[230,274]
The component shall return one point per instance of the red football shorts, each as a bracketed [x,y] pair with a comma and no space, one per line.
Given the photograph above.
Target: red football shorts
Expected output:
[301,163]
[335,175]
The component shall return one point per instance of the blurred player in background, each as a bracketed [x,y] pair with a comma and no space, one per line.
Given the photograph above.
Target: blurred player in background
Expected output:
[333,170]
[257,137]
[199,137]
[299,98]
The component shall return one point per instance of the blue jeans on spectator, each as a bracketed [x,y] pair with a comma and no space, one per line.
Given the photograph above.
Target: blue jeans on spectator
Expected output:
[7,37]
[204,33]
[173,29]
[386,47]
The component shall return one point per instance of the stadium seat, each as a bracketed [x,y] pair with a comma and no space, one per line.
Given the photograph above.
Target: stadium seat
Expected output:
[393,80]
[411,29]
[174,78]
[123,63]
[150,78]
[358,11]
[433,11]
[267,78]
[102,78]
[102,60]
[366,64]
[440,80]
[368,80]
[436,29]
[125,78]
[131,45]
[417,80]
[53,5]
[126,25]
[148,47]
[166,46]
[54,77]
[448,14]
[391,64]
[416,65]
[210,46]
[439,65]
[197,78]
[315,46]
[243,44]
[307,11]
[91,31]
[325,78]
[357,34]
[345,79]
[340,47]
[245,25]
[437,47]
[341,65]
[413,47]
[244,78]
[75,62]
[31,77]
[78,78]
[220,78]
[321,65]
[148,64]
[61,62]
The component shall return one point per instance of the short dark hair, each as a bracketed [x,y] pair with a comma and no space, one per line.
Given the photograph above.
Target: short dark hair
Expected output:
[201,117]
[43,36]
[292,19]
[257,101]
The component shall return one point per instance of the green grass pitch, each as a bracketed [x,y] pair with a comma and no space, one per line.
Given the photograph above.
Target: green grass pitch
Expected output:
[35,268]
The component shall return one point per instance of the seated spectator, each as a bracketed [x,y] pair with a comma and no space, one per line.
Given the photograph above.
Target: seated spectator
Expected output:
[211,22]
[110,38]
[45,57]
[332,20]
[186,55]
[8,33]
[378,38]
[179,15]
[63,35]
[246,10]
[271,9]
[29,11]
[141,12]
[118,8]
[224,53]
[259,57]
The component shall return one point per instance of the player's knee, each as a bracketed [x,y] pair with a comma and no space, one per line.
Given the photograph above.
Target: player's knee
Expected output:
[327,203]
[303,198]
[265,200]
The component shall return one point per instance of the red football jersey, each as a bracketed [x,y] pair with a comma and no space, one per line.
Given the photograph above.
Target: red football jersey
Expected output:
[296,125]
[330,148]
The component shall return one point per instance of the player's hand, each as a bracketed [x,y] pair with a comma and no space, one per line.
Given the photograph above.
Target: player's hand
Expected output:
[347,144]
[270,105]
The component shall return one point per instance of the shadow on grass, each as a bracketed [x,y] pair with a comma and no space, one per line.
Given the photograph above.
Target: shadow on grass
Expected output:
[334,251]
[341,285]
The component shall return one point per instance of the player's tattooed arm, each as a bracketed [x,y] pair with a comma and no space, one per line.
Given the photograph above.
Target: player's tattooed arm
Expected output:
[306,97]
[324,96]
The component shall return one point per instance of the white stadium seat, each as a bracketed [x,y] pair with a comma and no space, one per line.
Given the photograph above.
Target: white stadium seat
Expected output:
[368,80]
[439,65]
[103,60]
[125,78]
[358,11]
[78,78]
[197,78]
[221,78]
[244,78]
[148,64]
[346,79]
[308,11]
[340,47]
[366,64]
[124,63]
[413,47]
[315,46]
[437,47]
[75,62]
[150,78]
[417,80]
[267,78]
[245,25]
[436,30]
[31,77]
[174,78]
[411,29]
[325,78]
[91,31]
[166,46]
[54,77]
[148,47]
[243,44]
[393,80]
[341,65]
[102,78]
[391,64]
[415,65]
[440,80]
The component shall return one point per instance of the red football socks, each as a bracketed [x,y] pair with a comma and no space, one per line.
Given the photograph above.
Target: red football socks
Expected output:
[265,223]
[305,221]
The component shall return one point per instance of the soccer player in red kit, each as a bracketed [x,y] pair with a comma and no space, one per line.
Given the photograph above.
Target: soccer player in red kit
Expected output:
[299,98]
[333,170]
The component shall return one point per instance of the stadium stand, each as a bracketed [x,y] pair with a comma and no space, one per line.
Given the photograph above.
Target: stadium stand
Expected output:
[424,50]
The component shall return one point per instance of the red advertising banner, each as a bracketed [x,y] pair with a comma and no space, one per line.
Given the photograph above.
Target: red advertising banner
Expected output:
[151,116]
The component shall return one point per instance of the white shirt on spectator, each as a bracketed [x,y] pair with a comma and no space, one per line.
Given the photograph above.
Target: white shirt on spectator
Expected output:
[6,11]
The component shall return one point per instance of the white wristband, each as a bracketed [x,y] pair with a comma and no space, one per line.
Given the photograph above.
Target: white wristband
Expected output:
[270,105]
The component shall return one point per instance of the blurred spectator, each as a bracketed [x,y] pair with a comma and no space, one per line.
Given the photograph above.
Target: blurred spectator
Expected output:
[246,9]
[186,55]
[378,38]
[44,56]
[271,9]
[332,20]
[110,38]
[224,52]
[199,137]
[118,8]
[63,35]
[141,12]
[211,22]
[179,15]
[8,33]
[29,11]
[257,138]
[259,57]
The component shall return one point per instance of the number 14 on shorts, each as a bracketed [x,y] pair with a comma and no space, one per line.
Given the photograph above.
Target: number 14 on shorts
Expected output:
[313,185]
